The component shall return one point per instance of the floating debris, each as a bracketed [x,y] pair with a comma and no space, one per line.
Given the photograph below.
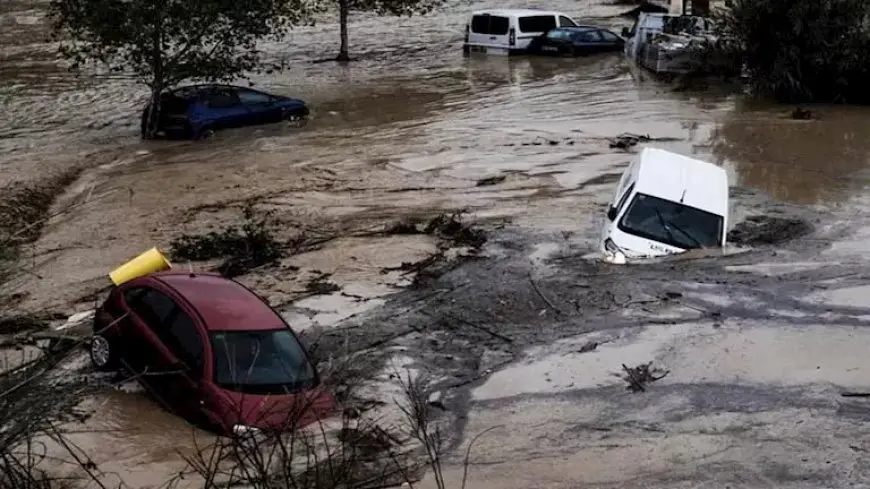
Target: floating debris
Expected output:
[638,377]
[485,182]
[800,114]
[767,230]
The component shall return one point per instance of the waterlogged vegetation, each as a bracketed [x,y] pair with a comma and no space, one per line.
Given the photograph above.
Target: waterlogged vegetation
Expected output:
[802,50]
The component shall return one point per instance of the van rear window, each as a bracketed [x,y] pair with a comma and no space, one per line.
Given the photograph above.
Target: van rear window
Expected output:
[490,24]
[537,23]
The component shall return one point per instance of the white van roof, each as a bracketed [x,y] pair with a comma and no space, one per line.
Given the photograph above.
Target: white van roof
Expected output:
[517,12]
[678,178]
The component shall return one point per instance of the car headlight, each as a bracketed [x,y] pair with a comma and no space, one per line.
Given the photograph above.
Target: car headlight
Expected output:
[612,253]
[241,429]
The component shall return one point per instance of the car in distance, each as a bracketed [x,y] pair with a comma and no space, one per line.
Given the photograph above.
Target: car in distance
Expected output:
[210,350]
[576,41]
[509,31]
[194,111]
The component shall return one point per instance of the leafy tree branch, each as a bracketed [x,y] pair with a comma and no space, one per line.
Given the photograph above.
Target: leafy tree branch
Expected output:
[163,43]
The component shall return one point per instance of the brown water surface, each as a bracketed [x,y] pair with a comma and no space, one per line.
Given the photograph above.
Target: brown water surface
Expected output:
[406,130]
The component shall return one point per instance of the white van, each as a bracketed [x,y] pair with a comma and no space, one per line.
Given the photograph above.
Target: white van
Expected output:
[509,31]
[666,203]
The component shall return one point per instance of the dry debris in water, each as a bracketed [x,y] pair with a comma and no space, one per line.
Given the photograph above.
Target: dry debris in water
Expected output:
[768,230]
[451,230]
[449,227]
[252,245]
[488,181]
[628,140]
[320,285]
[638,377]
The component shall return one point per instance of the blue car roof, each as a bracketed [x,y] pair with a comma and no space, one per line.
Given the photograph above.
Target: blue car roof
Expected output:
[200,87]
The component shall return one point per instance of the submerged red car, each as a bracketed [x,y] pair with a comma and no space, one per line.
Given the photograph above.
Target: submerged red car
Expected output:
[211,350]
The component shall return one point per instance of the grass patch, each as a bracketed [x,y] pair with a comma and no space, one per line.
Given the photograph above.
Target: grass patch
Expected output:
[242,248]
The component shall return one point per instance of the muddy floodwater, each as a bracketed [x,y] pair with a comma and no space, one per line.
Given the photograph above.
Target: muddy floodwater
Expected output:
[758,344]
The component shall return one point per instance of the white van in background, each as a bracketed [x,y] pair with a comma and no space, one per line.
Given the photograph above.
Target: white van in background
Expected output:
[509,31]
[666,203]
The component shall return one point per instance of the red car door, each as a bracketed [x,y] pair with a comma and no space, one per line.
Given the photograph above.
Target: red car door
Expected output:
[144,352]
[186,340]
[150,349]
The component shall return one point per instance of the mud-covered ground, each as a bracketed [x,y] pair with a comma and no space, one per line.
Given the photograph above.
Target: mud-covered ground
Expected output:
[526,335]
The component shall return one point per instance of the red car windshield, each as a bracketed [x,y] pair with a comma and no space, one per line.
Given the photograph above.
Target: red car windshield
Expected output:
[261,362]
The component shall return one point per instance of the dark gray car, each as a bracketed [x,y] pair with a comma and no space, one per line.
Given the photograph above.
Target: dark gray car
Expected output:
[576,41]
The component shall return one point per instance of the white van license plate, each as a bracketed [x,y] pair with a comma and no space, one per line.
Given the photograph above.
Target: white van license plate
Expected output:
[478,49]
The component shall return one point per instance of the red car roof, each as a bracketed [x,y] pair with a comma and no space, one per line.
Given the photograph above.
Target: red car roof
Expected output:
[224,304]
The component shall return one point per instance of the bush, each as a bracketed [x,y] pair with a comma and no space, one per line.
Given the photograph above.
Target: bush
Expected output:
[242,249]
[801,50]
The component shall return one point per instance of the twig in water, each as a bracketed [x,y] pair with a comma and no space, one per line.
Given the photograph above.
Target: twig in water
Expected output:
[635,382]
[477,326]
[641,375]
[542,296]
[468,453]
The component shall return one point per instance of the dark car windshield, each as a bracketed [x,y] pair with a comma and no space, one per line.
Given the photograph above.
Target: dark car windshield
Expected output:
[672,223]
[261,362]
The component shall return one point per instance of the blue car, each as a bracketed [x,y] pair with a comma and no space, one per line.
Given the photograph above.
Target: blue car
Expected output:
[196,111]
[576,41]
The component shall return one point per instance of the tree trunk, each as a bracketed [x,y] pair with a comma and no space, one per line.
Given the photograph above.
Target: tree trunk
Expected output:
[152,114]
[343,13]
[151,117]
[701,8]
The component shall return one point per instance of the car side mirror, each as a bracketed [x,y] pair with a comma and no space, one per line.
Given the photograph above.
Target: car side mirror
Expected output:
[626,32]
[611,213]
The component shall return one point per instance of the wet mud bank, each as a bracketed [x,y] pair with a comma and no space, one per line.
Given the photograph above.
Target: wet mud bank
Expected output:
[533,344]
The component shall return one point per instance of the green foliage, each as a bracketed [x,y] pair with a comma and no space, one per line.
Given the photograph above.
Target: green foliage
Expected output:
[165,42]
[251,246]
[801,50]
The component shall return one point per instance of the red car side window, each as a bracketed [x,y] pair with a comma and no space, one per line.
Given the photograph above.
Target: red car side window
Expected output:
[187,341]
[170,323]
[133,294]
[154,307]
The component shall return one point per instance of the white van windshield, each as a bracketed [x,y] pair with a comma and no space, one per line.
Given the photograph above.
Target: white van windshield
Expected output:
[672,223]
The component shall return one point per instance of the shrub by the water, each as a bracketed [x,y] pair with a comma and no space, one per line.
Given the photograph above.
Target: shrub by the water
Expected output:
[801,50]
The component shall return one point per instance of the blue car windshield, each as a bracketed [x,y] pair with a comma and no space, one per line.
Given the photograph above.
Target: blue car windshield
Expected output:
[672,223]
[261,362]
